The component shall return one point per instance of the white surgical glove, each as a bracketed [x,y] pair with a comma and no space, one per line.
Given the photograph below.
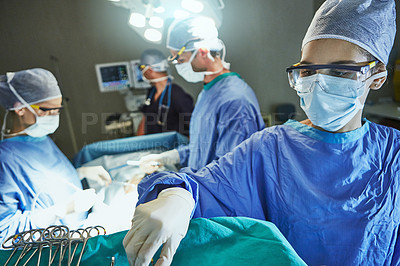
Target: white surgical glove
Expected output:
[152,162]
[80,201]
[96,176]
[163,221]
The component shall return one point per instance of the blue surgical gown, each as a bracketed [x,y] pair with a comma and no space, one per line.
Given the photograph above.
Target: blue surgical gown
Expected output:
[34,175]
[226,113]
[333,196]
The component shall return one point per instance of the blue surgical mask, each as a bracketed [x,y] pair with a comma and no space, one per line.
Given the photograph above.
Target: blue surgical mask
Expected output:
[331,102]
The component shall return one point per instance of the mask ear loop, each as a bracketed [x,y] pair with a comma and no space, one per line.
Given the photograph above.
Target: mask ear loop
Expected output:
[374,76]
[3,127]
[10,76]
[224,64]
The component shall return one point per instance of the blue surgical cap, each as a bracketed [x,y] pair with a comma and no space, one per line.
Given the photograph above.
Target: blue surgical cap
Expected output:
[200,31]
[370,24]
[154,58]
[32,85]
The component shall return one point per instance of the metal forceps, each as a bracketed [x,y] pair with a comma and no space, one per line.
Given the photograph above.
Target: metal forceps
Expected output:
[13,242]
[56,235]
[89,233]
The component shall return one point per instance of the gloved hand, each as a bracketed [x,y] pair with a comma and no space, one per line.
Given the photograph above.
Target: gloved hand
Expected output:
[96,176]
[164,220]
[80,201]
[152,162]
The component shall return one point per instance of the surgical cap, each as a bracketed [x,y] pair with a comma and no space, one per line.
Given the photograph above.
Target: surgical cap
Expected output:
[193,28]
[154,58]
[32,85]
[370,24]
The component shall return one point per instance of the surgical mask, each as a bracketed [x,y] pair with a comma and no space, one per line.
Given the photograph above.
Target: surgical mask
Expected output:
[44,126]
[331,102]
[153,80]
[186,70]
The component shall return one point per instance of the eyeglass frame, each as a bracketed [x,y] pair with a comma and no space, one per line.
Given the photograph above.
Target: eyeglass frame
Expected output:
[174,59]
[45,109]
[363,69]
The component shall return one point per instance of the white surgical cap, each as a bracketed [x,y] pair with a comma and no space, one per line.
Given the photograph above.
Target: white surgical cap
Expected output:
[154,58]
[370,24]
[32,85]
[202,29]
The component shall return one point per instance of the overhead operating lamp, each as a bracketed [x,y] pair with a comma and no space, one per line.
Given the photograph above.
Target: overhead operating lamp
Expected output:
[148,17]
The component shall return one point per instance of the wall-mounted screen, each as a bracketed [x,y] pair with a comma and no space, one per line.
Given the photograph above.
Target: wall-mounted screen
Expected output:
[114,76]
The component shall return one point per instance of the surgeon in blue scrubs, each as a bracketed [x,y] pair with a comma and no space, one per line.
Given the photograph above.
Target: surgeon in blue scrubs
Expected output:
[329,183]
[38,184]
[226,112]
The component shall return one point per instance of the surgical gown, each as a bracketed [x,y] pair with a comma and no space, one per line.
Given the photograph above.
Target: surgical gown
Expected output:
[226,113]
[333,196]
[34,175]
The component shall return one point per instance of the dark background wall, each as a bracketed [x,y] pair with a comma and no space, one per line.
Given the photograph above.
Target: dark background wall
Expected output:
[70,37]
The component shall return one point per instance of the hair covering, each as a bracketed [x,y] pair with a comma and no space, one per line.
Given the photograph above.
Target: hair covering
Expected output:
[32,85]
[154,58]
[200,29]
[370,24]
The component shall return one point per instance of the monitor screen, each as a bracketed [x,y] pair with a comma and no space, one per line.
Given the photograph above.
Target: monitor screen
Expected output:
[114,76]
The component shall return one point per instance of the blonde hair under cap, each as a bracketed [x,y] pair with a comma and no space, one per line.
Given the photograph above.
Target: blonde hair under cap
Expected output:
[370,24]
[32,85]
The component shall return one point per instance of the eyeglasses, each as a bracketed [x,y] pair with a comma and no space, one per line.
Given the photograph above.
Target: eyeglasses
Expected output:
[45,110]
[174,59]
[354,72]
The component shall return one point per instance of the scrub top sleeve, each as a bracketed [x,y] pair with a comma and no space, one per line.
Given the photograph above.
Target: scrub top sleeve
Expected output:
[152,185]
[184,152]
[227,187]
[237,123]
[12,219]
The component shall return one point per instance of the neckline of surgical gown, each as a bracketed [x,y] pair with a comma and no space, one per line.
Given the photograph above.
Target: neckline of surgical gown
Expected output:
[330,137]
[24,138]
[209,85]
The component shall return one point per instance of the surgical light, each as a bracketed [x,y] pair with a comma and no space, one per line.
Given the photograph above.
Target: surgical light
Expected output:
[137,20]
[180,14]
[156,22]
[153,35]
[193,6]
[159,10]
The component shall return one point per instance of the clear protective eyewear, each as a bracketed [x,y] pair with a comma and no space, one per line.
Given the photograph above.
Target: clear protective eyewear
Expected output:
[174,59]
[352,72]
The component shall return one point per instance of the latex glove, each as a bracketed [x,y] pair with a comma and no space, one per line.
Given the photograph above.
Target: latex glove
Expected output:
[80,201]
[163,221]
[152,162]
[96,176]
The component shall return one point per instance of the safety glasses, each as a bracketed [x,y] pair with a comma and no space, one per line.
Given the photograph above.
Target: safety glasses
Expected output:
[44,110]
[353,72]
[174,59]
